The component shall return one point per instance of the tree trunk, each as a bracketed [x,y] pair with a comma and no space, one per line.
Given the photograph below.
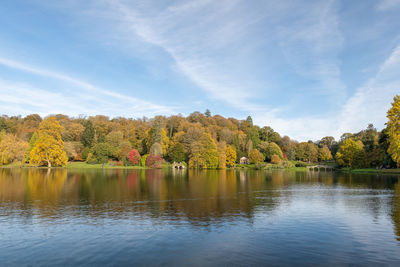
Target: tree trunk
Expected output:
[48,163]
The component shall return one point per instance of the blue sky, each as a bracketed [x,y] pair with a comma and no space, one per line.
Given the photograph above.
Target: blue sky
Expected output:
[306,68]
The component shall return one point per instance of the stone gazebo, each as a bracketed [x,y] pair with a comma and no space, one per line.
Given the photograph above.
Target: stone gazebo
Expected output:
[244,160]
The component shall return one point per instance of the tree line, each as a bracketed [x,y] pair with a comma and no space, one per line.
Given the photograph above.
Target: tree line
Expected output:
[200,140]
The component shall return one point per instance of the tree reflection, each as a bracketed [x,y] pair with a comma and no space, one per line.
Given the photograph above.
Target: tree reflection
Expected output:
[199,197]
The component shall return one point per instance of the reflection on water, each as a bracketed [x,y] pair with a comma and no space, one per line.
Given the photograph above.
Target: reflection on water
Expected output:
[193,217]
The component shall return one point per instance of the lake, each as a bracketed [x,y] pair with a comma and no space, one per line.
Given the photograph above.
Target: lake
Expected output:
[197,218]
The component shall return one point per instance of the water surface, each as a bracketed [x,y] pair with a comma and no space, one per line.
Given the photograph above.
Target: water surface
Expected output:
[157,217]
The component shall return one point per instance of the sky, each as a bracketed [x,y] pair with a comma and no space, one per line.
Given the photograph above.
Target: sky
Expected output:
[308,69]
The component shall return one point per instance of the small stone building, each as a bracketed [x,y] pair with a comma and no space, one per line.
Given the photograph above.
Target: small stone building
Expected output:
[244,160]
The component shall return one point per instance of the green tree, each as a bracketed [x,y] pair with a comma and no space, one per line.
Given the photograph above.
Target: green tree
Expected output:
[393,126]
[102,152]
[176,153]
[88,134]
[269,149]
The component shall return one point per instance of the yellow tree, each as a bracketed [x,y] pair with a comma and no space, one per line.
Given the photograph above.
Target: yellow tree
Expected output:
[256,157]
[221,147]
[393,126]
[49,146]
[230,156]
[12,149]
[324,154]
[351,153]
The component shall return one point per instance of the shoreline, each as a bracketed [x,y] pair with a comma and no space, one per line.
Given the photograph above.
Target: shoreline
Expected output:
[83,165]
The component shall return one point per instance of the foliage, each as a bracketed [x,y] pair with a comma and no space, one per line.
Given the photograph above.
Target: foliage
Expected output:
[307,151]
[203,153]
[103,151]
[393,126]
[143,160]
[176,153]
[85,153]
[203,140]
[255,156]
[230,157]
[351,154]
[221,155]
[156,149]
[154,161]
[134,157]
[88,135]
[324,154]
[74,150]
[115,138]
[275,159]
[12,149]
[270,149]
[48,149]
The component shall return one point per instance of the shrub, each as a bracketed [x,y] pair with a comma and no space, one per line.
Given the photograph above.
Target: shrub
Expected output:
[143,160]
[275,159]
[154,161]
[300,164]
[85,153]
[134,157]
[287,164]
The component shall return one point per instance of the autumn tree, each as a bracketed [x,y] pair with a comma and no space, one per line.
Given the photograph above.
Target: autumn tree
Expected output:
[154,161]
[12,149]
[230,156]
[324,153]
[393,127]
[176,153]
[255,156]
[134,157]
[307,151]
[221,147]
[49,146]
[204,153]
[275,159]
[351,154]
[157,134]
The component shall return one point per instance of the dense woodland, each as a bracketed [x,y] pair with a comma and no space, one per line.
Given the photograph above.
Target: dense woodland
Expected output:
[199,140]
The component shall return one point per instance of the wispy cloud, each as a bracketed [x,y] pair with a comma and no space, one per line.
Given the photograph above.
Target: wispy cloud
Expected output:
[106,100]
[198,48]
[388,4]
[370,102]
[311,41]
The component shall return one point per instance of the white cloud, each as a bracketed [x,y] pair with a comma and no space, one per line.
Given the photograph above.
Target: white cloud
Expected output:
[385,5]
[98,99]
[368,104]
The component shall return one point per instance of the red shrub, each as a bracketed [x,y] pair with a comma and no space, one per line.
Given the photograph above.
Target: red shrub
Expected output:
[154,161]
[134,157]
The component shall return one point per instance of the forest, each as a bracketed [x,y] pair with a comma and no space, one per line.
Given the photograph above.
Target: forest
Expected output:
[200,140]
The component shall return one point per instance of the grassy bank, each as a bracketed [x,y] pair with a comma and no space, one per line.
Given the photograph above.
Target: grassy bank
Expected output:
[84,165]
[371,170]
